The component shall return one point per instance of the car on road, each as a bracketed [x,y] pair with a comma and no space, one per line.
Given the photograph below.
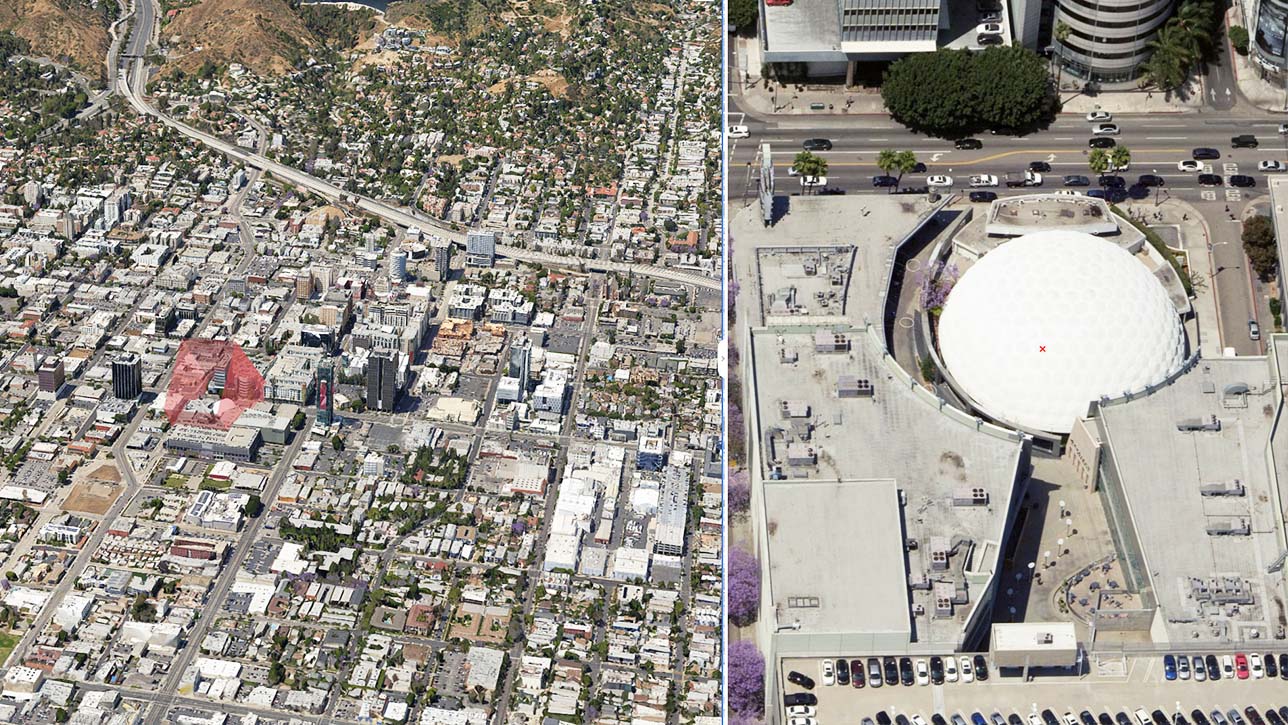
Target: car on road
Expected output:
[1254,333]
[1242,181]
[1189,166]
[1271,166]
[797,678]
[882,182]
[1205,153]
[812,182]
[923,672]
[1098,116]
[1110,194]
[1240,659]
[817,144]
[1169,667]
[1283,129]
[1112,181]
[968,144]
[842,672]
[829,673]
[1076,180]
[800,698]
[939,180]
[1244,141]
[1027,179]
[1041,166]
[1101,142]
[981,180]
[968,670]
[1210,180]
[1105,129]
[981,668]
[1151,180]
[739,132]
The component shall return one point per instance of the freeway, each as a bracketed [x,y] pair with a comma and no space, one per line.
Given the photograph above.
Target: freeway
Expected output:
[131,83]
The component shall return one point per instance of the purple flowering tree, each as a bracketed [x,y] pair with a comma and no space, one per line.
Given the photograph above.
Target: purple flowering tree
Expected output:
[934,283]
[739,492]
[746,681]
[744,586]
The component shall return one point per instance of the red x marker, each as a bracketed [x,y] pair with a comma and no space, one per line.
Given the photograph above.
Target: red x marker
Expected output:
[1042,348]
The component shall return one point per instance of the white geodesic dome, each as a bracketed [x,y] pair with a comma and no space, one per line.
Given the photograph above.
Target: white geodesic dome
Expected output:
[1048,322]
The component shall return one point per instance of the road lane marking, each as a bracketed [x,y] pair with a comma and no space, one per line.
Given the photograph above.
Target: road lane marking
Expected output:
[1165,138]
[1005,154]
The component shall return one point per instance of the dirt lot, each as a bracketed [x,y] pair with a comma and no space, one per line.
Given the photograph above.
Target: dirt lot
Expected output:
[91,498]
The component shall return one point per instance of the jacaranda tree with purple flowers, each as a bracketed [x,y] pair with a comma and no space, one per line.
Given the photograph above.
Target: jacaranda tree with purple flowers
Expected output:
[746,680]
[934,284]
[739,492]
[744,586]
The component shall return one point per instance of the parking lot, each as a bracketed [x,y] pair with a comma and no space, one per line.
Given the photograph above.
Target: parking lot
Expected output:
[1141,685]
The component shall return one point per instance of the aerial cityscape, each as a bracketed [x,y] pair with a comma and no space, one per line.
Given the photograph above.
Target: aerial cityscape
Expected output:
[361,363]
[1007,364]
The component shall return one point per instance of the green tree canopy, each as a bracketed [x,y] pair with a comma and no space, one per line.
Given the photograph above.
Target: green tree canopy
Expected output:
[743,14]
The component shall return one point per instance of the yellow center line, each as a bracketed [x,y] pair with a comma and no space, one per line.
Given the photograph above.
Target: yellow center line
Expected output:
[1136,157]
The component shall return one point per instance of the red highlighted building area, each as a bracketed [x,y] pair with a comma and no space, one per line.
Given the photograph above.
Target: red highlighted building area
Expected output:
[213,384]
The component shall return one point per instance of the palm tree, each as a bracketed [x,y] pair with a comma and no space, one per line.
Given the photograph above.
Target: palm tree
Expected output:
[1062,31]
[808,164]
[1194,18]
[1119,157]
[887,161]
[907,163]
[1098,161]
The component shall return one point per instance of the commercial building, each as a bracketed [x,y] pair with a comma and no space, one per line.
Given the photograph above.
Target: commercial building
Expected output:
[51,375]
[326,393]
[480,248]
[441,253]
[672,512]
[290,378]
[384,379]
[234,444]
[127,376]
[1108,41]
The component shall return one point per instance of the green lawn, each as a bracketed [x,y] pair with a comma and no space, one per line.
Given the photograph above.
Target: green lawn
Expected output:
[7,643]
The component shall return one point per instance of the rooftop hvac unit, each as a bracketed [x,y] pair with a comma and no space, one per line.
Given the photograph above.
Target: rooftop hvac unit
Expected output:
[1222,488]
[1191,425]
[1045,638]
[1230,527]
[970,496]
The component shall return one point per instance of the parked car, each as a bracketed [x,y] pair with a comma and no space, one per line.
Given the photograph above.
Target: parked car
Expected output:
[905,671]
[817,144]
[1183,667]
[1210,180]
[1244,141]
[1159,718]
[800,698]
[1271,166]
[796,678]
[1253,716]
[829,673]
[801,711]
[874,672]
[1200,670]
[1283,669]
[1273,718]
[1199,718]
[1272,669]
[1169,667]
[1242,181]
[1213,670]
[968,670]
[977,718]
[1105,129]
[1101,142]
[739,132]
[1050,718]
[981,667]
[982,196]
[923,672]
[1254,334]
[937,670]
[882,718]
[1254,659]
[989,39]
[802,721]
[1236,666]
[891,671]
[968,144]
[1189,165]
[950,669]
[1204,153]
[857,678]
[842,672]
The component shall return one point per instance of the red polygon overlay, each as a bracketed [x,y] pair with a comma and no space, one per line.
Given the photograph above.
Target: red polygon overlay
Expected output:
[188,400]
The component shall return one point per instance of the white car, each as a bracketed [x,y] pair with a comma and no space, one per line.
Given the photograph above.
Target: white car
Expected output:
[1105,129]
[923,673]
[739,132]
[829,673]
[800,711]
[807,181]
[988,29]
[968,670]
[1271,166]
[1068,192]
[1189,165]
[983,180]
[1099,116]
[1071,719]
[1254,664]
[939,180]
[950,669]
[1142,717]
[1283,129]
[802,721]
[918,720]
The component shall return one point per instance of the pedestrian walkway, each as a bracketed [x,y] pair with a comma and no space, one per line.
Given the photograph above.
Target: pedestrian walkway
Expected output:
[1260,91]
[1133,101]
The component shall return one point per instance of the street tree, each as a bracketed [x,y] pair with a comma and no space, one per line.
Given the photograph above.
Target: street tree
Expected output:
[743,14]
[1119,157]
[810,164]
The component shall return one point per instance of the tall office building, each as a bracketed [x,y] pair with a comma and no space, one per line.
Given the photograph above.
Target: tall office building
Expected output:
[480,248]
[127,376]
[51,375]
[441,249]
[398,265]
[1108,41]
[520,361]
[382,380]
[326,394]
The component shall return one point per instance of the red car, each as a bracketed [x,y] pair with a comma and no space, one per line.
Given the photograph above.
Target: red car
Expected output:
[1241,666]
[772,3]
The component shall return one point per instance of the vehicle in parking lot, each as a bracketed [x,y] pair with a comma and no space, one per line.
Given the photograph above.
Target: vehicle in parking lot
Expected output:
[802,721]
[1200,669]
[939,180]
[1242,181]
[1077,180]
[1273,718]
[1253,716]
[1235,717]
[988,39]
[968,670]
[1254,660]
[1087,718]
[1189,165]
[1101,142]
[1227,666]
[923,672]
[1169,667]
[1213,670]
[938,719]
[901,720]
[1205,153]
[1151,180]
[882,718]
[937,670]
[801,711]
[882,182]
[817,144]
[874,672]
[950,669]
[891,671]
[857,677]
[1179,719]
[1183,667]
[1272,670]
[1209,180]
[1199,717]
[1254,333]
[1218,718]
[829,673]
[842,672]
[980,180]
[1049,718]
[983,196]
[958,719]
[800,698]
[968,144]
[1283,671]
[905,671]
[1105,129]
[1159,718]
[1097,116]
[1270,166]
[981,667]
[1034,719]
[977,718]
[1244,141]
[1240,659]
[802,680]
[1142,717]
[1122,719]
[739,132]
[1071,719]
[918,720]
[998,718]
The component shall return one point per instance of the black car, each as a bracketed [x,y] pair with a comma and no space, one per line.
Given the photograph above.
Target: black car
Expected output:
[968,144]
[991,39]
[1101,142]
[1272,670]
[807,699]
[901,720]
[1273,718]
[1244,141]
[1014,719]
[905,671]
[1213,667]
[1105,719]
[1199,717]
[883,718]
[1159,718]
[817,144]
[1242,181]
[983,196]
[938,719]
[1204,153]
[842,672]
[1122,719]
[919,168]
[1179,719]
[1283,670]
[1112,182]
[797,678]
[1050,718]
[857,676]
[1041,167]
[883,181]
[1209,180]
[1254,717]
[1150,180]
[1077,180]
[1283,711]
[1087,718]
[981,668]
[1111,194]
[937,665]
[891,670]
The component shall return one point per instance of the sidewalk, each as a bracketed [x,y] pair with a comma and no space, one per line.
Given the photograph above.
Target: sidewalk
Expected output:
[1248,74]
